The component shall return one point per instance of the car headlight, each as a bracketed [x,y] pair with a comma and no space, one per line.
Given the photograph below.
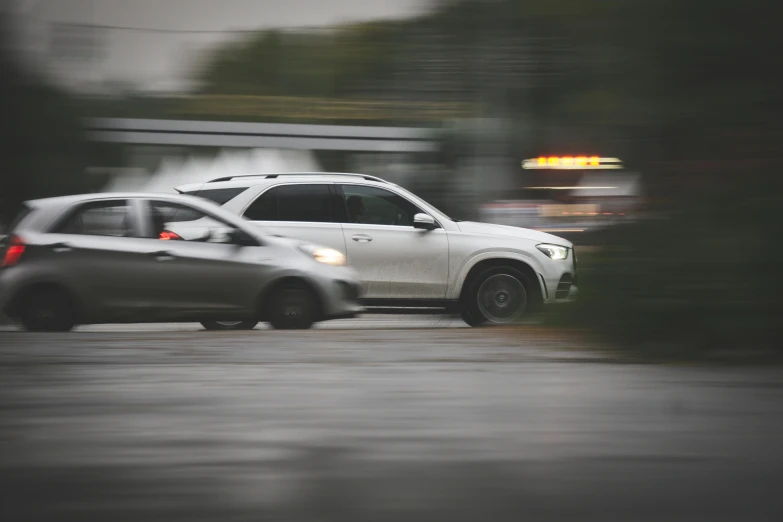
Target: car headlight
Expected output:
[553,251]
[328,256]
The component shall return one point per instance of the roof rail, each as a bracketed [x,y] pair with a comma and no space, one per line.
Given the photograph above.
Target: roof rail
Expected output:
[272,176]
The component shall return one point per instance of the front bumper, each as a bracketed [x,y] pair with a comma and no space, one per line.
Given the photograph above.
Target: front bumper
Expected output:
[559,283]
[340,298]
[572,294]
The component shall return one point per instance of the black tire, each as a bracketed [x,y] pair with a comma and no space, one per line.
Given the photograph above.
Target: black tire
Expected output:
[292,307]
[229,325]
[47,310]
[498,295]
[471,318]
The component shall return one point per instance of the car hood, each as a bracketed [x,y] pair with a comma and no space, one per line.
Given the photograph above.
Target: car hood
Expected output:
[487,229]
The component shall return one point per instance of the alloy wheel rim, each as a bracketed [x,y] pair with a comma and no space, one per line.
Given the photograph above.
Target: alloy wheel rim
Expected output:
[502,299]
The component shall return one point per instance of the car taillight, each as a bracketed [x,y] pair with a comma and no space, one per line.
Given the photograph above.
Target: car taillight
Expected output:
[168,236]
[14,251]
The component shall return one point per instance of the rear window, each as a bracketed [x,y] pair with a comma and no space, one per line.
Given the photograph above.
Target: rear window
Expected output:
[219,196]
[99,218]
[18,219]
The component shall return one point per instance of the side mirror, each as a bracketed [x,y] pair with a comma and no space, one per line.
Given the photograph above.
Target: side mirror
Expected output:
[424,222]
[242,238]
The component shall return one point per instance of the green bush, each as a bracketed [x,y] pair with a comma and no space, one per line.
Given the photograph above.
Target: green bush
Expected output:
[697,280]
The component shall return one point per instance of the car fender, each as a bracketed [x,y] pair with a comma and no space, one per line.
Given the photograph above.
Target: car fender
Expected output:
[15,287]
[455,288]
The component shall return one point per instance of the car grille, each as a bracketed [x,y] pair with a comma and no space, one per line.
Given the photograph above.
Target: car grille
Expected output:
[564,286]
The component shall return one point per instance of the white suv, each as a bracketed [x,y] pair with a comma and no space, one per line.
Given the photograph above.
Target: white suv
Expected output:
[410,256]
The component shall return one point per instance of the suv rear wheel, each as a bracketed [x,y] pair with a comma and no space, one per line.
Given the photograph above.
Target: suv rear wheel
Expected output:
[499,295]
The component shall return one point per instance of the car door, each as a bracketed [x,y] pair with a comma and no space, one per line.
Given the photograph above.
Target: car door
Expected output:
[98,251]
[197,270]
[306,211]
[394,259]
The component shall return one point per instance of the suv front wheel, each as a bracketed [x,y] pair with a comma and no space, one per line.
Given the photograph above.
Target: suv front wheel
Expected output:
[499,295]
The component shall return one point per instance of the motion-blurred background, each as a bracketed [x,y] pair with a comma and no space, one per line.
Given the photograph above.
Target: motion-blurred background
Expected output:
[447,98]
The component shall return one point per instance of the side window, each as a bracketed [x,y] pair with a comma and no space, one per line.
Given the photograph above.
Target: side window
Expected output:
[174,213]
[264,208]
[377,206]
[100,218]
[307,203]
[174,221]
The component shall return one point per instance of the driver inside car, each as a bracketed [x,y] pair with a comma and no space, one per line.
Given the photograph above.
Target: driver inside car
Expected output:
[355,209]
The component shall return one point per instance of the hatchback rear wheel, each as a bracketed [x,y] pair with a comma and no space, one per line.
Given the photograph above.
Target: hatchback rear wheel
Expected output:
[47,310]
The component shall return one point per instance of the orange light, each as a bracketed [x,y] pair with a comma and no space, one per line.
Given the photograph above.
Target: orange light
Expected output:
[168,236]
[568,160]
[595,161]
[541,161]
[581,160]
[14,252]
[553,160]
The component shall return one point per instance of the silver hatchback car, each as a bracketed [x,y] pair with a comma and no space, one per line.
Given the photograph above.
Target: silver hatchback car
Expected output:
[127,258]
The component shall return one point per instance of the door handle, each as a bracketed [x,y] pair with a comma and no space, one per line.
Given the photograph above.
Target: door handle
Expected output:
[362,238]
[61,247]
[163,256]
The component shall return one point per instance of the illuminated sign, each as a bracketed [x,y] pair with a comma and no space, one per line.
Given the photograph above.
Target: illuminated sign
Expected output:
[572,163]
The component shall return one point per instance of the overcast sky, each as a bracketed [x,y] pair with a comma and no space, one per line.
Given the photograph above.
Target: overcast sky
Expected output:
[156,60]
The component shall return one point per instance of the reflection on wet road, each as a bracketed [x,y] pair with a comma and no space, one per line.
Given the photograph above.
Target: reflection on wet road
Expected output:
[383,423]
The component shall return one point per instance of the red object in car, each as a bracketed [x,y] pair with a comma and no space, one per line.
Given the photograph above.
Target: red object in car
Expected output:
[168,236]
[13,254]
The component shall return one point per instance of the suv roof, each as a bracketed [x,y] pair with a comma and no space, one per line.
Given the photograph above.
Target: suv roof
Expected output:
[249,180]
[285,174]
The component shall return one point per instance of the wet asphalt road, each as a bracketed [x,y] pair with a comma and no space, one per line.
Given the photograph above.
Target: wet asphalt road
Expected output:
[376,419]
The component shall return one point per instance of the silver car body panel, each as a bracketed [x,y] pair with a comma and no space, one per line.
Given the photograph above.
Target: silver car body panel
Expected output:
[145,279]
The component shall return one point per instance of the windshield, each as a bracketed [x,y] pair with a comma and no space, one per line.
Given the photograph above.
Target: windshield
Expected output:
[426,205]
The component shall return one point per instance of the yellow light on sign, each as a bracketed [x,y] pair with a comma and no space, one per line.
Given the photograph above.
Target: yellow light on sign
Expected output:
[572,163]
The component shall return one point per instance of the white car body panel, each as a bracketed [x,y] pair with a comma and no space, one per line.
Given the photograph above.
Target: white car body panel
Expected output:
[399,262]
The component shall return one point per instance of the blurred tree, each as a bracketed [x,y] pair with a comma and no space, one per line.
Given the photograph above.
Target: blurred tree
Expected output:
[43,153]
[691,89]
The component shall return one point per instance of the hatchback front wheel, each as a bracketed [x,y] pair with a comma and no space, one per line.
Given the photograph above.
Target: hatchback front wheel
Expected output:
[292,307]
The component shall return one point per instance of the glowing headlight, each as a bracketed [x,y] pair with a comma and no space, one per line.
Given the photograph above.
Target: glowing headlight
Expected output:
[328,256]
[553,251]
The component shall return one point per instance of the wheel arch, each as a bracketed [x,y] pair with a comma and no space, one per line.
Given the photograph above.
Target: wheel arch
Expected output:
[264,298]
[482,263]
[12,310]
